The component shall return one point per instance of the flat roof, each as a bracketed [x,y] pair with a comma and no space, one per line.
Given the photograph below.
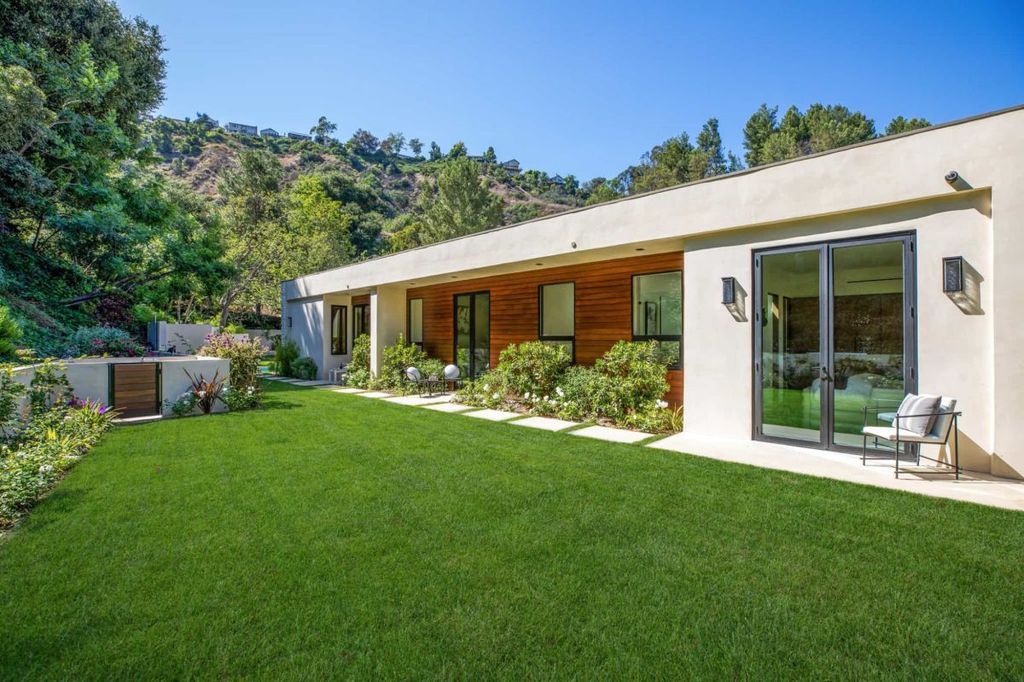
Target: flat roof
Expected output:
[716,178]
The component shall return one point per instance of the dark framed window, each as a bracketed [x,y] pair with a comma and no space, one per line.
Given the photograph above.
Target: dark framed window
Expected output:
[339,323]
[360,320]
[415,321]
[658,312]
[556,319]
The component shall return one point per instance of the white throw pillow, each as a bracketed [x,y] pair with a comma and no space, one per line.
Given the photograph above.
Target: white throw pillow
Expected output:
[917,405]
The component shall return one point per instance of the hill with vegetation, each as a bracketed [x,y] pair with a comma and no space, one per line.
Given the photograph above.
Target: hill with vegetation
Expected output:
[109,216]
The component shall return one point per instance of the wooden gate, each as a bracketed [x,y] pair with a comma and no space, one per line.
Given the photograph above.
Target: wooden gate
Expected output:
[135,388]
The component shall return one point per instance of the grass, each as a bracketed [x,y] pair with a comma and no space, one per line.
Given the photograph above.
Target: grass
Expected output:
[331,535]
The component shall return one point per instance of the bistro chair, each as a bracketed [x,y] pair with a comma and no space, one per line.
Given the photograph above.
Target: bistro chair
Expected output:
[451,377]
[944,420]
[425,386]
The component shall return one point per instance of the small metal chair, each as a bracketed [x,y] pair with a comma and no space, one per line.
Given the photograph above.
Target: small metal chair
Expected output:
[946,421]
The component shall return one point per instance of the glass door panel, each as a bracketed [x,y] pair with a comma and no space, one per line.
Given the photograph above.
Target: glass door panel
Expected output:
[791,384]
[868,336]
[473,333]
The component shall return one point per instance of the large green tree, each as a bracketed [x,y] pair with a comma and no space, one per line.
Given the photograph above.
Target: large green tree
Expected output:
[460,204]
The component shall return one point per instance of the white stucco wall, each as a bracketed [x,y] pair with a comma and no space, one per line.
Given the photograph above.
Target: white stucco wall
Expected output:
[387,320]
[954,348]
[308,328]
[90,378]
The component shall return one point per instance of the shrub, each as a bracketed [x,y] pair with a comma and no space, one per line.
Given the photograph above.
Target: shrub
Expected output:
[488,390]
[233,329]
[50,444]
[143,314]
[286,352]
[104,341]
[637,374]
[49,387]
[656,418]
[244,355]
[205,392]
[11,392]
[359,366]
[395,360]
[533,367]
[304,368]
[583,393]
[10,333]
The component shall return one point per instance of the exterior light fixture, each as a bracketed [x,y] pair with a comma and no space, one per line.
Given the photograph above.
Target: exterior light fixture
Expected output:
[734,299]
[639,248]
[952,176]
[573,244]
[538,264]
[953,276]
[289,321]
[728,291]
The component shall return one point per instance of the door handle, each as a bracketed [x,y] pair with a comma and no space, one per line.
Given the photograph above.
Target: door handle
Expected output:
[824,375]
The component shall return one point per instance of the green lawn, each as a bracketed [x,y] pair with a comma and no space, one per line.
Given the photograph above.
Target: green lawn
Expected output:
[331,535]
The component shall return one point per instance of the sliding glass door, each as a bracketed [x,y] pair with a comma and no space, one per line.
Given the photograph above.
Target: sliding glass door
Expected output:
[835,334]
[473,333]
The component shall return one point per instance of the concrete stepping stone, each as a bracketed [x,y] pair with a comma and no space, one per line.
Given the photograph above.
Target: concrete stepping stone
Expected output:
[348,389]
[493,415]
[311,382]
[374,394]
[417,401]
[611,435]
[545,423]
[448,407]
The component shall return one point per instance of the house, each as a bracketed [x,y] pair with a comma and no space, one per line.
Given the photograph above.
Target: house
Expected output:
[298,136]
[240,128]
[789,296]
[558,180]
[512,166]
[269,132]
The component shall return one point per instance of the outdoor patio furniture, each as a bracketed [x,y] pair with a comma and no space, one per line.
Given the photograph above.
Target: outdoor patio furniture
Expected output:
[425,385]
[451,378]
[338,375]
[944,421]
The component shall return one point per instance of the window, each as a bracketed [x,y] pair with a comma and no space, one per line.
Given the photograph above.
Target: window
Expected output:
[360,320]
[338,327]
[416,321]
[558,315]
[658,312]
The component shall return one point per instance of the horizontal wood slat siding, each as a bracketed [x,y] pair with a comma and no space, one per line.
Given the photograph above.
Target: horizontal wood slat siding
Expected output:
[603,307]
[361,300]
[135,389]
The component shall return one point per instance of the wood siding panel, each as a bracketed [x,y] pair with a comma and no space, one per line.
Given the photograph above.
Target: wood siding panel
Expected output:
[603,307]
[136,389]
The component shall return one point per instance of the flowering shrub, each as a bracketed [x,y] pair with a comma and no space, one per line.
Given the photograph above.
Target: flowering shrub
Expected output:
[103,341]
[286,352]
[205,393]
[245,356]
[43,449]
[624,387]
[533,367]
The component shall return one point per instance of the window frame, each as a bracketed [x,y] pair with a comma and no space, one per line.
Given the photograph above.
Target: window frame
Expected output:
[339,346]
[408,321]
[540,317]
[678,365]
[357,309]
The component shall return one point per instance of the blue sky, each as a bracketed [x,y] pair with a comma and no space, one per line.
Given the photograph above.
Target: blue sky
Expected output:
[579,87]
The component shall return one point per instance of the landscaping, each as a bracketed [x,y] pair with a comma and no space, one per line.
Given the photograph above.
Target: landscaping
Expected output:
[327,535]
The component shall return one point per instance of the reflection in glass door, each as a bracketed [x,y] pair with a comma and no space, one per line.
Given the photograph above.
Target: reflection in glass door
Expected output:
[473,333]
[835,336]
[791,346]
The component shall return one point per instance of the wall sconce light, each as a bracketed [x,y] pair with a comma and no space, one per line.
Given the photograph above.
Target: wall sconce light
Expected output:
[728,291]
[734,298]
[953,276]
[289,321]
[962,284]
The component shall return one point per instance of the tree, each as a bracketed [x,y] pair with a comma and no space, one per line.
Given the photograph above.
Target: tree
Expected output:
[707,159]
[904,125]
[571,185]
[490,156]
[601,193]
[461,204]
[256,238]
[416,146]
[393,144]
[323,130]
[363,143]
[759,127]
[458,150]
[435,152]
[318,229]
[204,122]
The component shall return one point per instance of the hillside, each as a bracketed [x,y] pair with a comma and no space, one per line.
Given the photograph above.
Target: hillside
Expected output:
[198,153]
